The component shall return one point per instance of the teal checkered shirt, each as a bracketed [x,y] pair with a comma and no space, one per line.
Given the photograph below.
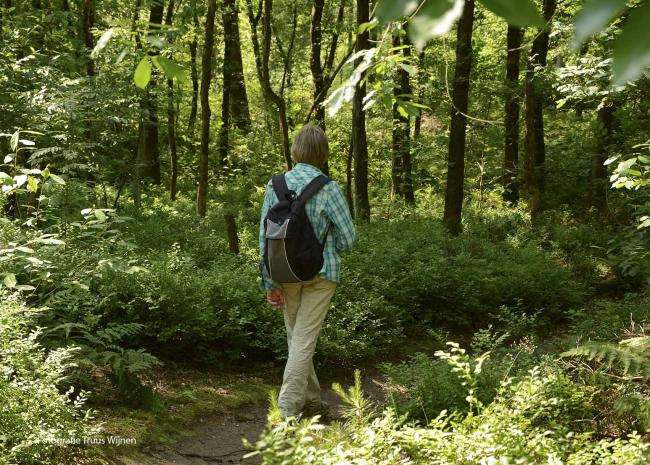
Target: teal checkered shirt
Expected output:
[328,208]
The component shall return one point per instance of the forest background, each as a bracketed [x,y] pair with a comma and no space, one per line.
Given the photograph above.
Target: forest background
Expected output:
[495,155]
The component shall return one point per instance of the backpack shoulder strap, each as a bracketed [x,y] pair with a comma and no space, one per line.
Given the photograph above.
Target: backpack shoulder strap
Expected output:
[313,187]
[280,187]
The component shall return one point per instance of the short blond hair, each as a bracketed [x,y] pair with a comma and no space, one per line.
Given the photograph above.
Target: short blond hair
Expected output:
[310,146]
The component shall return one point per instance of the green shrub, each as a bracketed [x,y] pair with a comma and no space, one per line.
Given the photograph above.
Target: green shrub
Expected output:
[540,419]
[35,414]
[605,320]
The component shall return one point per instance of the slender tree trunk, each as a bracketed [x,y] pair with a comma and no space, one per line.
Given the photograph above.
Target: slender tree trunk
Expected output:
[417,123]
[191,122]
[151,152]
[206,77]
[359,141]
[234,69]
[604,136]
[407,163]
[262,54]
[535,149]
[87,25]
[224,130]
[171,120]
[231,230]
[511,120]
[460,97]
[137,172]
[315,62]
[348,177]
[400,123]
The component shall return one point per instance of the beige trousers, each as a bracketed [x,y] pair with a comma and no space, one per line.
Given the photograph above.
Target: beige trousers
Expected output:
[306,306]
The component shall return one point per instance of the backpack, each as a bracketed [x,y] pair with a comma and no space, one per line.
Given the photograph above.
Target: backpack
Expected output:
[292,252]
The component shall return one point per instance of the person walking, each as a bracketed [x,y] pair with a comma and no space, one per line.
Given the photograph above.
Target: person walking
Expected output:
[291,271]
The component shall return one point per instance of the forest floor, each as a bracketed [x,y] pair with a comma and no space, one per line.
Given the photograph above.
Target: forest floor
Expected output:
[214,433]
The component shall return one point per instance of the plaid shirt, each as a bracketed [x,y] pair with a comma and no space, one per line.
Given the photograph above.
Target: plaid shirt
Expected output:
[328,208]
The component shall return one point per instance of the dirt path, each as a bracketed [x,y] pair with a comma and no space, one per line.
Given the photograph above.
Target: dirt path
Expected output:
[217,439]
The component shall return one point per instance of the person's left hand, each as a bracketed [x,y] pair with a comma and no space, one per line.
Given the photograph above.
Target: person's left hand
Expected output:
[276,298]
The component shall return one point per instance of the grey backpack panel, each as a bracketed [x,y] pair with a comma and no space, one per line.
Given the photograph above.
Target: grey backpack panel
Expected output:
[279,265]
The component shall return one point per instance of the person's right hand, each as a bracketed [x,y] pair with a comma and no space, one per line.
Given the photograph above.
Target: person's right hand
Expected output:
[276,298]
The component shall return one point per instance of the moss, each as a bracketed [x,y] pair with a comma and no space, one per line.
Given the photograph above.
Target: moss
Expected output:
[182,397]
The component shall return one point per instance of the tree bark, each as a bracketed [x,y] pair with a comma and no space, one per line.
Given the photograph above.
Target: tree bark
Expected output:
[234,69]
[348,178]
[460,97]
[206,77]
[88,20]
[171,120]
[137,172]
[604,136]
[262,54]
[511,121]
[191,122]
[151,150]
[359,141]
[535,150]
[315,63]
[231,229]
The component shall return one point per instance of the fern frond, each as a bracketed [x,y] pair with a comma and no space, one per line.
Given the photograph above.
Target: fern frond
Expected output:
[624,357]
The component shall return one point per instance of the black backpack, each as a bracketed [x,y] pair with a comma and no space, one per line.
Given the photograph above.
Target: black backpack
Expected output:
[292,252]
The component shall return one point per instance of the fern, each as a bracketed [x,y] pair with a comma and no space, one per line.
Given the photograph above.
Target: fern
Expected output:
[102,349]
[631,357]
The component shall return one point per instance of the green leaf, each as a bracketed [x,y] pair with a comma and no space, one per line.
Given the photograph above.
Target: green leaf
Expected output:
[142,74]
[14,140]
[100,215]
[5,179]
[32,183]
[369,26]
[435,17]
[521,13]
[24,287]
[170,68]
[388,10]
[10,280]
[101,43]
[57,179]
[631,50]
[408,68]
[24,249]
[594,16]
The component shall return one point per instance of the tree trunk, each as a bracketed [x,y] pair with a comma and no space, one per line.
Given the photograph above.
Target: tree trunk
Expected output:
[171,120]
[206,77]
[224,130]
[460,96]
[262,54]
[151,150]
[417,123]
[511,121]
[231,229]
[604,133]
[348,178]
[400,123]
[234,69]
[88,21]
[359,141]
[137,172]
[315,62]
[191,122]
[407,164]
[535,150]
